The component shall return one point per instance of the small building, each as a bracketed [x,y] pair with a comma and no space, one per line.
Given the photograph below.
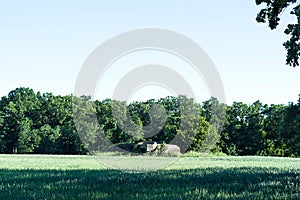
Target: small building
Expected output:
[148,146]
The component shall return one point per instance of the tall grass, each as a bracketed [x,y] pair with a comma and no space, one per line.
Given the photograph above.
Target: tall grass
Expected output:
[83,177]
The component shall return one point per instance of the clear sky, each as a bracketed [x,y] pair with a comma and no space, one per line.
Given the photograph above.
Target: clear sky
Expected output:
[44,44]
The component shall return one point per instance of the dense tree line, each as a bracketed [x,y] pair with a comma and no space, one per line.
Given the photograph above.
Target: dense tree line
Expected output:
[44,123]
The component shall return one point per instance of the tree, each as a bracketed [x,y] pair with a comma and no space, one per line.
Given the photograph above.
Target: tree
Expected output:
[131,127]
[19,106]
[272,13]
[28,139]
[45,123]
[290,130]
[106,121]
[2,141]
[173,118]
[232,138]
[190,113]
[69,142]
[151,114]
[254,129]
[274,119]
[49,137]
[215,113]
[204,132]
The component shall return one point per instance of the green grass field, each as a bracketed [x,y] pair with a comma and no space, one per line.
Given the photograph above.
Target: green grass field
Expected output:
[84,177]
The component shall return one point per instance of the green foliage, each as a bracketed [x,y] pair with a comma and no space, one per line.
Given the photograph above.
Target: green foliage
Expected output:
[28,139]
[289,130]
[273,124]
[44,123]
[271,14]
[131,126]
[271,149]
[203,132]
[49,137]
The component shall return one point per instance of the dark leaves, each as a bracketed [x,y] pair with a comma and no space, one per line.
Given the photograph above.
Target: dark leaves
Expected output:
[271,13]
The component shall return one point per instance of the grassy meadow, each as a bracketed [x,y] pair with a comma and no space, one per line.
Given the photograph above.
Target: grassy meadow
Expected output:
[84,177]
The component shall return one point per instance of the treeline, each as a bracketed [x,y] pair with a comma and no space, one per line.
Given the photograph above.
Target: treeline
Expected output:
[44,123]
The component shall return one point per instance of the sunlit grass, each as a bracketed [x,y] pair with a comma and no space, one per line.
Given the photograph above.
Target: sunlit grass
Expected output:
[84,177]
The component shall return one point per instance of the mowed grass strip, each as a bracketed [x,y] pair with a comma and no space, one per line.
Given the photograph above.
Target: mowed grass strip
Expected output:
[83,177]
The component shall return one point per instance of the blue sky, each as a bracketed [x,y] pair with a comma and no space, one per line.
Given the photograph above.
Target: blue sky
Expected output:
[44,44]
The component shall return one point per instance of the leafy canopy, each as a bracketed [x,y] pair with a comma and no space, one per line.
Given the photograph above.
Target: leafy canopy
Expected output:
[271,13]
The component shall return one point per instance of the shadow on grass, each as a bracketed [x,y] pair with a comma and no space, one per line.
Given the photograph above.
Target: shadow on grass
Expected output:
[209,183]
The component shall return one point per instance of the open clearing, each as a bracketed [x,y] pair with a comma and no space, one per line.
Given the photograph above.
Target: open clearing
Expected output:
[84,177]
